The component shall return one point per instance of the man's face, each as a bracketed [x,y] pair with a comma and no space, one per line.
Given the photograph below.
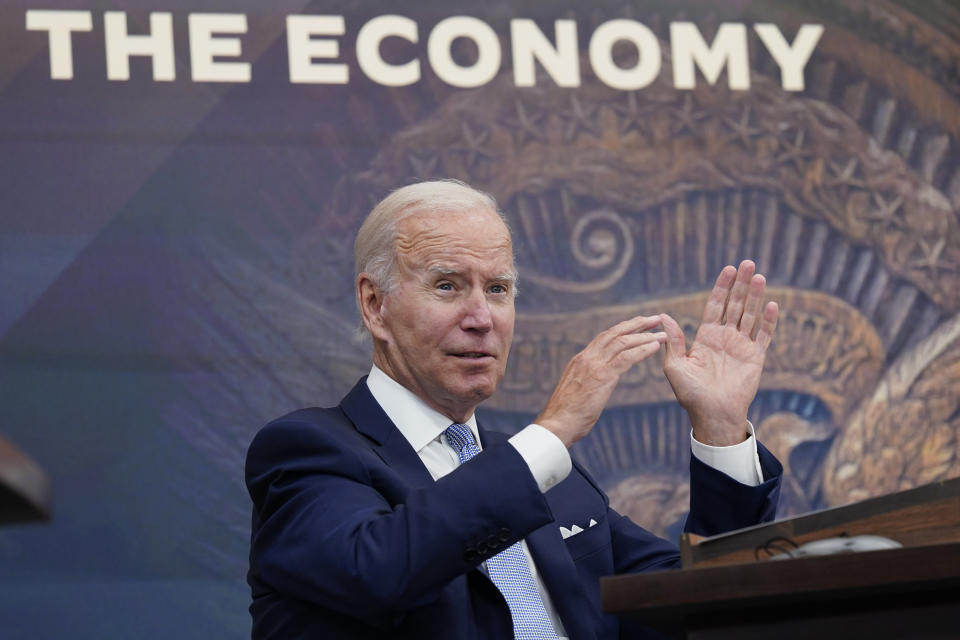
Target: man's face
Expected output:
[448,320]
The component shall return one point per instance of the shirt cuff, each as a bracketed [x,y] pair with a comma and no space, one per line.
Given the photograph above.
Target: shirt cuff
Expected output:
[544,453]
[740,461]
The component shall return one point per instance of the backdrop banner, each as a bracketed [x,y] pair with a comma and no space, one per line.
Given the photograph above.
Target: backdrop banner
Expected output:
[182,183]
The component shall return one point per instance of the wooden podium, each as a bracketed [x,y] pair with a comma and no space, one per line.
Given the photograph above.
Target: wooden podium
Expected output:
[729,589]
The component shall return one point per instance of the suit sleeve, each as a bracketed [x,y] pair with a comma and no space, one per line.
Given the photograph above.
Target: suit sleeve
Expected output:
[718,504]
[329,527]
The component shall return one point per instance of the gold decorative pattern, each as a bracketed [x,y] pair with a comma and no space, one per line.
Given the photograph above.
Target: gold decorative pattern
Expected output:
[907,432]
[629,202]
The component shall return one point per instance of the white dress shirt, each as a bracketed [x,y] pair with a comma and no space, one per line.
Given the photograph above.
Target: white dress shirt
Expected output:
[544,453]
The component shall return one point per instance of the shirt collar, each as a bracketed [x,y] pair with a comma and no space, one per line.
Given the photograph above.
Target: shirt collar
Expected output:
[419,423]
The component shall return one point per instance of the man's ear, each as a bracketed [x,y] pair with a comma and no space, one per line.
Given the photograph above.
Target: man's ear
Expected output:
[370,300]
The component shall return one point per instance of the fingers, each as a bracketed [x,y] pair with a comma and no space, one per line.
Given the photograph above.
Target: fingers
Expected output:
[751,310]
[627,349]
[637,354]
[717,301]
[632,326]
[635,347]
[768,324]
[736,300]
[590,377]
[623,345]
[738,293]
[676,344]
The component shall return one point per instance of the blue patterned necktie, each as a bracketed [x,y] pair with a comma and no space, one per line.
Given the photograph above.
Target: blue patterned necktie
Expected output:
[509,569]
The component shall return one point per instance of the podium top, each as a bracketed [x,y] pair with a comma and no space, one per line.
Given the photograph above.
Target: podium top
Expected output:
[758,586]
[729,589]
[926,515]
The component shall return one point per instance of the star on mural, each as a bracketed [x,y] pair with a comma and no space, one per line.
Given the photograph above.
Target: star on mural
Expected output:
[741,130]
[579,117]
[794,151]
[687,117]
[929,260]
[885,211]
[846,175]
[423,167]
[524,122]
[473,145]
[632,117]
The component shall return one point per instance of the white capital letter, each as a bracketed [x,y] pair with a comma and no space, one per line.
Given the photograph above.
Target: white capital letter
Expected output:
[791,58]
[601,54]
[60,24]
[368,51]
[561,63]
[120,46]
[729,48]
[204,46]
[302,49]
[488,51]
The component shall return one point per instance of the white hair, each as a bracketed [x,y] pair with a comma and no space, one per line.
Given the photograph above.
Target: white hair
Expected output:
[375,249]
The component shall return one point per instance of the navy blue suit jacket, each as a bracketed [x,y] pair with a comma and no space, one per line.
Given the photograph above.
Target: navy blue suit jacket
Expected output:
[352,538]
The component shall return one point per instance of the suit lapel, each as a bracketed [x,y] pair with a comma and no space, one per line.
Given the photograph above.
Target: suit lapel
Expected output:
[388,443]
[556,569]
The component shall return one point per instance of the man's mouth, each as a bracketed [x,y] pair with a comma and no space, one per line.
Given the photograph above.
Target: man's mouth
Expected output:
[472,355]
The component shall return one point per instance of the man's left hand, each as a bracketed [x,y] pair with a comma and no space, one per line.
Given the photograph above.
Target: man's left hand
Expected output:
[719,377]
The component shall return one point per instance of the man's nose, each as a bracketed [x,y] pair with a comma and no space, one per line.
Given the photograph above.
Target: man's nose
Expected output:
[477,315]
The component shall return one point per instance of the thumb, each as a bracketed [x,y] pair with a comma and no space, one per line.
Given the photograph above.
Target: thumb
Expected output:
[676,344]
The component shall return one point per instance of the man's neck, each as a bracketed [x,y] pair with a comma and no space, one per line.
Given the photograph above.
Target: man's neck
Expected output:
[418,422]
[456,414]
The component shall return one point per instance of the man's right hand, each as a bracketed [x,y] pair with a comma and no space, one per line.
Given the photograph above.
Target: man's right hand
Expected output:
[591,376]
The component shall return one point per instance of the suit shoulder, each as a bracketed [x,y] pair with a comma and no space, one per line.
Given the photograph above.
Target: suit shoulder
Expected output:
[315,416]
[305,422]
[313,440]
[302,431]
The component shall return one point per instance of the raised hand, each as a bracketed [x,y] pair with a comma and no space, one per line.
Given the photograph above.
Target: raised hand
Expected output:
[591,375]
[718,378]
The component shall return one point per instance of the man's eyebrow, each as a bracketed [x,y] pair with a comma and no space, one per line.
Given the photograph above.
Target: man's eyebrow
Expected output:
[452,271]
[443,271]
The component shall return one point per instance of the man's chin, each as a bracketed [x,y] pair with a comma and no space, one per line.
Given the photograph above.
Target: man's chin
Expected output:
[471,385]
[475,391]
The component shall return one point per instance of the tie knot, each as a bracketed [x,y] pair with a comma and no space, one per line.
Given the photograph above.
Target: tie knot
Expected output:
[461,439]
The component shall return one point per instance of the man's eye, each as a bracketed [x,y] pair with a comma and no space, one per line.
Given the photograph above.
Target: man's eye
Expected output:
[498,288]
[445,286]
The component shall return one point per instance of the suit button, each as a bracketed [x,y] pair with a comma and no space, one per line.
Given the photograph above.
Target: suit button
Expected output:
[470,554]
[504,535]
[482,548]
[493,542]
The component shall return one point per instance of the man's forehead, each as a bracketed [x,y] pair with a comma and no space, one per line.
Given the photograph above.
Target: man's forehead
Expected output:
[477,228]
[430,218]
[456,243]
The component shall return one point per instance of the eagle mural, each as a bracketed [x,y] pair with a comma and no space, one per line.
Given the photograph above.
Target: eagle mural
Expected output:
[846,194]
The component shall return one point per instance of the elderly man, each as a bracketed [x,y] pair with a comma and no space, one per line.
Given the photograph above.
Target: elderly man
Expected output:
[395,515]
